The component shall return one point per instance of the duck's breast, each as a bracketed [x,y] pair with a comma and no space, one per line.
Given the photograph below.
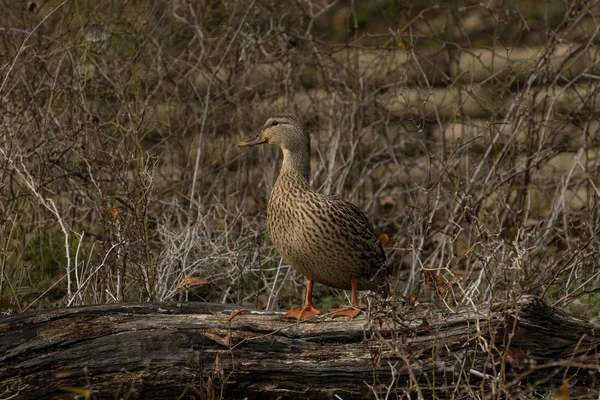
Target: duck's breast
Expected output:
[327,240]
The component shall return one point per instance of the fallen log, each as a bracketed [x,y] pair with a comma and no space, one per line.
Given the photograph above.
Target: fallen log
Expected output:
[191,350]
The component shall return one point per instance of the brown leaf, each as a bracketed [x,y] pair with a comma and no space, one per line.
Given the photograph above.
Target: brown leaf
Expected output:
[384,324]
[517,357]
[433,281]
[116,211]
[223,341]
[562,393]
[430,280]
[233,315]
[191,281]
[437,282]
[442,291]
[403,43]
[410,300]
[219,372]
[375,359]
[61,373]
[385,240]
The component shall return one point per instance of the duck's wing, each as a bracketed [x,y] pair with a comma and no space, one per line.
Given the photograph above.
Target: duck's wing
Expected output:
[348,221]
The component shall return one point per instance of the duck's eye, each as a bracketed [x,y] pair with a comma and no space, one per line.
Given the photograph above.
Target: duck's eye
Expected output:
[274,123]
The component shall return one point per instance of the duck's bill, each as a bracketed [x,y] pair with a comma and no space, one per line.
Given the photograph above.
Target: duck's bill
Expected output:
[253,141]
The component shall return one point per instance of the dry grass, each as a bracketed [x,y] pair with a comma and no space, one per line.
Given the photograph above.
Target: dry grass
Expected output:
[120,174]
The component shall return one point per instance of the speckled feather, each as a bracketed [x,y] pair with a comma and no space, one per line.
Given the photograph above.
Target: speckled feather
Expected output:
[326,239]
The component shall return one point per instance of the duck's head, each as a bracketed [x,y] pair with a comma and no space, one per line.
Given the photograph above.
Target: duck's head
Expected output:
[283,130]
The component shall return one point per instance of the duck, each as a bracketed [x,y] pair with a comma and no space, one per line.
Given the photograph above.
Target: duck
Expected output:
[325,238]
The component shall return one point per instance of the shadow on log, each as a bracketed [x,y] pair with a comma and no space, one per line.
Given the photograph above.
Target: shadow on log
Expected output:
[190,350]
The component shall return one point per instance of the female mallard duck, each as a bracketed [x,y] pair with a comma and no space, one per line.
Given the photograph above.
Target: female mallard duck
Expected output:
[326,239]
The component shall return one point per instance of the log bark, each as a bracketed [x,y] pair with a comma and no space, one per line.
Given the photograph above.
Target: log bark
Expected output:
[182,350]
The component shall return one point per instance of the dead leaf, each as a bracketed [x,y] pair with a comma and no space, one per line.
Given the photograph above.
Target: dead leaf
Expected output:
[86,393]
[210,389]
[385,240]
[114,211]
[562,393]
[437,282]
[61,373]
[433,281]
[403,43]
[410,300]
[233,315]
[517,357]
[384,324]
[375,359]
[219,373]
[447,286]
[223,341]
[191,281]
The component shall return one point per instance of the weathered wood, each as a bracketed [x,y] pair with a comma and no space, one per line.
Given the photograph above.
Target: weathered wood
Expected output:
[164,350]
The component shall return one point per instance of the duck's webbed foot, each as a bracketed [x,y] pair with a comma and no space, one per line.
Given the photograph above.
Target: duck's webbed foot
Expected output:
[349,312]
[302,312]
[308,310]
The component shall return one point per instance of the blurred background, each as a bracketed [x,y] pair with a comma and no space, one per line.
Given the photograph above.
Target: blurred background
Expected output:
[467,131]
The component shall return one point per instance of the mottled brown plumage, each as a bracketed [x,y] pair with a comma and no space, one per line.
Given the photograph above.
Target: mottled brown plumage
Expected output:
[326,239]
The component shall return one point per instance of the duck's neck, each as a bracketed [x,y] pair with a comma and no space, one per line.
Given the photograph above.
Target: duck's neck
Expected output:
[296,165]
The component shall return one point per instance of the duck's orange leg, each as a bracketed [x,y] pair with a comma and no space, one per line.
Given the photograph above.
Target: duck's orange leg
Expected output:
[350,312]
[308,310]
